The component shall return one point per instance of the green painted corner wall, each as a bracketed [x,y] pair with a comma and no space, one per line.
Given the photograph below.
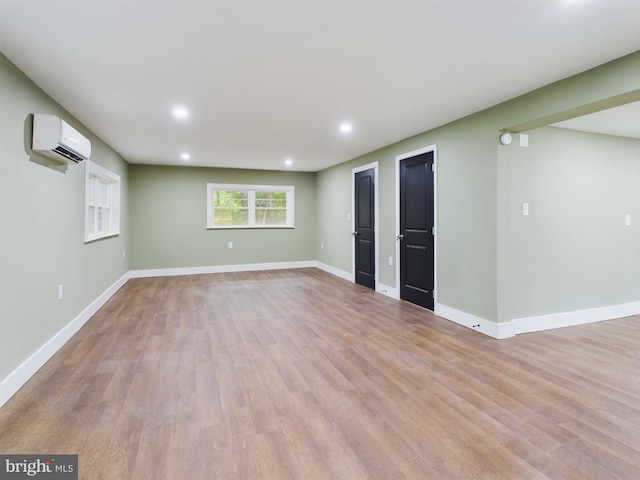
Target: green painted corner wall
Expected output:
[168,219]
[42,227]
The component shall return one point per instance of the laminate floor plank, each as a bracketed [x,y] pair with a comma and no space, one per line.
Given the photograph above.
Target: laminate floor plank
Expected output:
[297,374]
[334,446]
[309,457]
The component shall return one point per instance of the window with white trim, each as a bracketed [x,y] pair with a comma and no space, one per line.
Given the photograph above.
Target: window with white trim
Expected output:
[102,202]
[250,206]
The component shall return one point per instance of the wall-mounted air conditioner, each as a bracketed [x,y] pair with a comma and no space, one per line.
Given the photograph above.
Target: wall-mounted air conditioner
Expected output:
[55,138]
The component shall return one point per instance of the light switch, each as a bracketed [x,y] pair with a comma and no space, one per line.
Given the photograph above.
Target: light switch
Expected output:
[524,140]
[627,220]
[525,209]
[230,244]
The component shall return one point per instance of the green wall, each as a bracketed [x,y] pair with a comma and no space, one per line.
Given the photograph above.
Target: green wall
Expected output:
[573,251]
[475,199]
[466,221]
[168,219]
[42,227]
[334,226]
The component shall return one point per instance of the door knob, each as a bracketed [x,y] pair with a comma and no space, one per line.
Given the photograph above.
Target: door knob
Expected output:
[400,237]
[354,233]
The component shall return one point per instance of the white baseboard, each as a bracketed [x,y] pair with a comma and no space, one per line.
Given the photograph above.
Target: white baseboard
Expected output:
[538,323]
[495,330]
[334,271]
[248,267]
[380,288]
[388,291]
[570,319]
[16,379]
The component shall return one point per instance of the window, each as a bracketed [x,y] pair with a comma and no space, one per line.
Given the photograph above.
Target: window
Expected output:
[102,202]
[249,206]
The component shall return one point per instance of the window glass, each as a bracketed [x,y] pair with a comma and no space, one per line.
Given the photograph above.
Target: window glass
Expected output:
[249,206]
[102,202]
[271,208]
[230,207]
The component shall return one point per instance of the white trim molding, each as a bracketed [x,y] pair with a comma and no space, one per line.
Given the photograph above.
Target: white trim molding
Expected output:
[16,379]
[570,319]
[492,329]
[348,276]
[538,323]
[247,267]
[386,290]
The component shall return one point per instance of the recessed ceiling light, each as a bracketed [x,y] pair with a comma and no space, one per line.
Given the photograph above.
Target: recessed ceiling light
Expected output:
[185,156]
[346,127]
[180,113]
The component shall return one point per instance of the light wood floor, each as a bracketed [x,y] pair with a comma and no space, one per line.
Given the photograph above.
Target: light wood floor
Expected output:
[296,374]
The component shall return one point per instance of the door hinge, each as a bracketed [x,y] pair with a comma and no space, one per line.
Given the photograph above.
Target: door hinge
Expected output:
[433,231]
[433,167]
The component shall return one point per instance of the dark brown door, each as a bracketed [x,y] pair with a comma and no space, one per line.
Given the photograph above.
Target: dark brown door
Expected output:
[364,233]
[416,230]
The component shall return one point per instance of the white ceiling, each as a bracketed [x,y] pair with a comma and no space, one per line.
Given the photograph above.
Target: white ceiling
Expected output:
[269,80]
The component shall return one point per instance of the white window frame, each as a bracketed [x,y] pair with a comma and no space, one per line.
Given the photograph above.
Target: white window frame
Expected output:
[96,175]
[251,189]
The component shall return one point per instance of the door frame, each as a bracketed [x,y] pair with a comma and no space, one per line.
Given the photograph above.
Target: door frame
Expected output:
[399,158]
[376,219]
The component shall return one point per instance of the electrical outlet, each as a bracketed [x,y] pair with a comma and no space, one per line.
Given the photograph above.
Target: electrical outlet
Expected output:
[230,244]
[322,246]
[391,261]
[60,292]
[124,253]
[627,220]
[525,209]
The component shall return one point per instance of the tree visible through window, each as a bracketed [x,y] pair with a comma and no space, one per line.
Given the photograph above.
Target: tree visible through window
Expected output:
[247,206]
[230,208]
[271,208]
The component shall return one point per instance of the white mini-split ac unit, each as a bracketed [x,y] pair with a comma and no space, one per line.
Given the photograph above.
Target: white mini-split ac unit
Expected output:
[55,138]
